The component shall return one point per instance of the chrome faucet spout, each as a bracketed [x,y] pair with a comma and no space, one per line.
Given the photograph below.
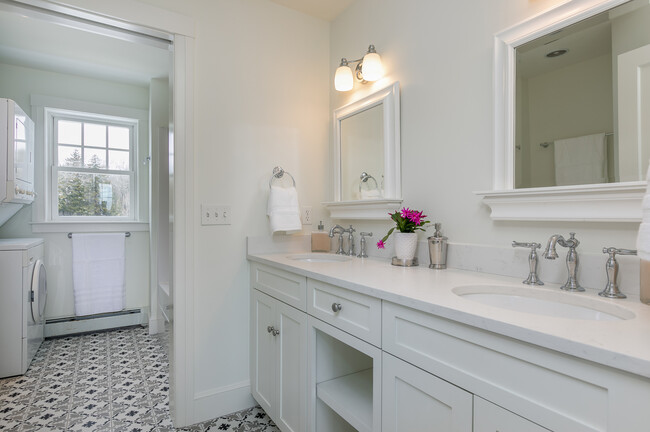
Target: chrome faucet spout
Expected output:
[550,252]
[571,258]
[336,229]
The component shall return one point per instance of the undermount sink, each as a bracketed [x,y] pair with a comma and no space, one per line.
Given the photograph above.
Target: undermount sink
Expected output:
[542,302]
[319,257]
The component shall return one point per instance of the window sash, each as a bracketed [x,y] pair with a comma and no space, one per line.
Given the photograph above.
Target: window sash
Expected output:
[55,169]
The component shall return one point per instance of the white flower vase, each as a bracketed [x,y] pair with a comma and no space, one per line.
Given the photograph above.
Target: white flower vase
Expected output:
[405,245]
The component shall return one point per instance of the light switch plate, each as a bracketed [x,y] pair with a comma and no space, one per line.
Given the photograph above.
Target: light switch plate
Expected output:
[212,214]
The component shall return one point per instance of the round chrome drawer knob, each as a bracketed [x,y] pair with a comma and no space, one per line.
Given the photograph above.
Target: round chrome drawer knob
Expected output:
[336,307]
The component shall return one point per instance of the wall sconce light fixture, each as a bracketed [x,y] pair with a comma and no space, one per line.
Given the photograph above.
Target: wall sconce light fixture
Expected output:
[368,69]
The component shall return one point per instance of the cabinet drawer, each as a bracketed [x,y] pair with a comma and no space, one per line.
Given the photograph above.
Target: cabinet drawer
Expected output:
[284,286]
[352,312]
[554,390]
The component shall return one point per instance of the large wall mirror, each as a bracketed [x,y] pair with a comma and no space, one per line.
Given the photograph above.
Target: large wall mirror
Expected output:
[366,156]
[570,88]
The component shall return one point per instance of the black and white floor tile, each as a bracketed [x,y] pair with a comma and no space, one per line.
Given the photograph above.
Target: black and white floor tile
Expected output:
[113,381]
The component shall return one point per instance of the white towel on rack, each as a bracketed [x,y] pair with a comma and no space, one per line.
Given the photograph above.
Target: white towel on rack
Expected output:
[283,209]
[581,160]
[98,265]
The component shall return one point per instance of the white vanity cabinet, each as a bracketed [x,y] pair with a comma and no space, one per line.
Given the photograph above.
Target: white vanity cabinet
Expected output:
[343,360]
[278,346]
[547,388]
[279,361]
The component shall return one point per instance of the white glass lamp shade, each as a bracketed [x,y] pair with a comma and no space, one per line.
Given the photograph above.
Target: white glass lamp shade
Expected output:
[343,80]
[371,67]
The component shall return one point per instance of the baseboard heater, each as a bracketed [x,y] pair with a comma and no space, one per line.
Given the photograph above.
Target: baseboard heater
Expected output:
[89,323]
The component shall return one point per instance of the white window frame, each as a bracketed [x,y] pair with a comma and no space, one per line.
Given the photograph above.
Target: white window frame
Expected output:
[45,216]
[52,116]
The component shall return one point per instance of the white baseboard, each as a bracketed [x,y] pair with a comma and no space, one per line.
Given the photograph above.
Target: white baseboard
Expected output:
[74,326]
[221,401]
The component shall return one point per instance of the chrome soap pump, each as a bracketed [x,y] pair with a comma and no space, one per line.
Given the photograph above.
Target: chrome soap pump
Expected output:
[438,249]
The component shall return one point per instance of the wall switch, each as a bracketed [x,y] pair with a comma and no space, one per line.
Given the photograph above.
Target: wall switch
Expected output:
[306,215]
[215,214]
[207,216]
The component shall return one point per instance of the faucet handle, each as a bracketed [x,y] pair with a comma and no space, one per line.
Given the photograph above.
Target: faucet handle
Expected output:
[612,251]
[351,230]
[611,267]
[362,253]
[532,246]
[532,278]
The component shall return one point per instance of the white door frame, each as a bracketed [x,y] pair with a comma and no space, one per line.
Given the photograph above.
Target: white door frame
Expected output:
[160,23]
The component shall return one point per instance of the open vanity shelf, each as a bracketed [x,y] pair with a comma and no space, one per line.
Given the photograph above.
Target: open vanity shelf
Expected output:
[350,397]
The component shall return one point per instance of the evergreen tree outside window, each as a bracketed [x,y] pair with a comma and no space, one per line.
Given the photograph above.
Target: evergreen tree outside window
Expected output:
[93,173]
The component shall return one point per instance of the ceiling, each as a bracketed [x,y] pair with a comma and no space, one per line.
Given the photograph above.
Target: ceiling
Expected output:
[324,9]
[29,41]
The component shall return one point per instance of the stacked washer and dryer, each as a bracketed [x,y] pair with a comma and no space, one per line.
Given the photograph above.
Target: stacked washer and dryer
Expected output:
[23,281]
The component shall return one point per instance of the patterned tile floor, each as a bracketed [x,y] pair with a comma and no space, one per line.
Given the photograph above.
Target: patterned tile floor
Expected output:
[113,381]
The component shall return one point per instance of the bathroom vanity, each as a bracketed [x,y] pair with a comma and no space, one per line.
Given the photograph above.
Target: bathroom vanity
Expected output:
[363,345]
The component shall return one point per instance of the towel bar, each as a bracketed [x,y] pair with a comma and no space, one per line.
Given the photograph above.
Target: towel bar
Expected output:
[545,144]
[278,173]
[126,234]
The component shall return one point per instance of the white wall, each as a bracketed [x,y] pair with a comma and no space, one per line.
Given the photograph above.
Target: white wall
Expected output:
[442,54]
[261,100]
[19,83]
[581,92]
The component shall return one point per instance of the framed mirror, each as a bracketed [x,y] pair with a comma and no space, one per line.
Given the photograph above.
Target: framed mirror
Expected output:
[570,85]
[366,156]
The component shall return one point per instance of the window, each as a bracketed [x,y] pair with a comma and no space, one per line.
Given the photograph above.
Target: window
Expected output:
[92,166]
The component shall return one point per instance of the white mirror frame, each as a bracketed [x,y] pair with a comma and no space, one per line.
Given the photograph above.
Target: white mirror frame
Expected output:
[392,199]
[610,202]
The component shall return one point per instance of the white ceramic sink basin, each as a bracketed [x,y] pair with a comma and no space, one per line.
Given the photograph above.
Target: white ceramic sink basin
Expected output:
[319,257]
[542,302]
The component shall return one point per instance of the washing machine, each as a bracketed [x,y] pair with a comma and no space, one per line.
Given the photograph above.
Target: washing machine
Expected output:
[23,294]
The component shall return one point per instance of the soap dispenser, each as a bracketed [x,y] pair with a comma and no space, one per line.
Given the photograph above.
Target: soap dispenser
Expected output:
[438,249]
[320,240]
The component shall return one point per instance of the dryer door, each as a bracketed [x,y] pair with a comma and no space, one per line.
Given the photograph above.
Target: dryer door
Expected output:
[39,291]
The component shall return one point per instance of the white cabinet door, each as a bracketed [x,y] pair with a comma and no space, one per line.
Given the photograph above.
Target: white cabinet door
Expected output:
[291,372]
[263,351]
[414,400]
[492,418]
[279,361]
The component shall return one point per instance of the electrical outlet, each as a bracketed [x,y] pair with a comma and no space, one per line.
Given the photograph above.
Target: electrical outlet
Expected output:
[306,215]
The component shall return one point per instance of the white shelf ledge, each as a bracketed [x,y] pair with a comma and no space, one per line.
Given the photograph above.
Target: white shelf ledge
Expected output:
[615,202]
[350,396]
[366,209]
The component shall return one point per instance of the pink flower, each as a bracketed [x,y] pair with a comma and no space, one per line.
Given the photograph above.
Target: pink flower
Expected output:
[406,212]
[380,244]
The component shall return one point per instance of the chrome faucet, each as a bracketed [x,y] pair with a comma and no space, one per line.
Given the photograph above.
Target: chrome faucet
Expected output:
[350,232]
[571,259]
[362,244]
[338,229]
[532,278]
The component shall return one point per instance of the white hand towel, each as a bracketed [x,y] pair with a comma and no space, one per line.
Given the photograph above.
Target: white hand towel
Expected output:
[368,194]
[98,265]
[581,160]
[283,209]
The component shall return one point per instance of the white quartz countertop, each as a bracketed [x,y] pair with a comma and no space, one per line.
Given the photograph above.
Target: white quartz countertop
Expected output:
[621,344]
